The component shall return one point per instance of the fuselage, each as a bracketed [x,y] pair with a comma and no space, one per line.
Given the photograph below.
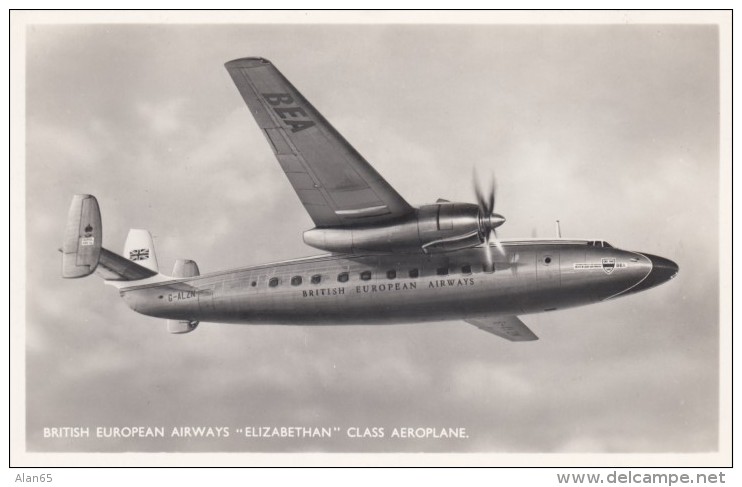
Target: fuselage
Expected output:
[335,289]
[390,262]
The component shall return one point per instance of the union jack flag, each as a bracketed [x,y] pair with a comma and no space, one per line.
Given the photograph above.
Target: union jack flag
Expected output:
[139,254]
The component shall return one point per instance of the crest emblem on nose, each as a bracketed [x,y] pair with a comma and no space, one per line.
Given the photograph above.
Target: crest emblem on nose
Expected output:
[608,265]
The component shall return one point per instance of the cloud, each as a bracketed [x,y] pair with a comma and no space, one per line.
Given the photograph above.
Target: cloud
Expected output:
[163,118]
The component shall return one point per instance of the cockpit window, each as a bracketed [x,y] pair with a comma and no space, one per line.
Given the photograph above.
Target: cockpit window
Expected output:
[599,243]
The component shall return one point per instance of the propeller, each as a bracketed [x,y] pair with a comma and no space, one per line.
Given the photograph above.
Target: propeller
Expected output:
[488,220]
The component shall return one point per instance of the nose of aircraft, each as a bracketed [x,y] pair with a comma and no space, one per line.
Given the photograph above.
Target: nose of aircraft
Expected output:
[662,270]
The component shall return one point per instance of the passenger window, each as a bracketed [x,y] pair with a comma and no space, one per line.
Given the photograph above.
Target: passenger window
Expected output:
[442,271]
[296,280]
[366,275]
[392,274]
[316,279]
[343,277]
[273,282]
[466,269]
[414,273]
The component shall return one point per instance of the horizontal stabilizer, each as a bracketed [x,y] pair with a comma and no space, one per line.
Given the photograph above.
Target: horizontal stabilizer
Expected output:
[507,327]
[113,267]
[82,237]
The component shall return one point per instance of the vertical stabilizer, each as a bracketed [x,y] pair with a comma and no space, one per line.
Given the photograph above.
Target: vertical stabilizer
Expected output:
[140,249]
[185,268]
[82,237]
[178,327]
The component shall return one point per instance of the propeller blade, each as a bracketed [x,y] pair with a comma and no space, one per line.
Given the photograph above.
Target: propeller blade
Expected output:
[488,219]
[514,264]
[488,253]
[498,244]
[481,201]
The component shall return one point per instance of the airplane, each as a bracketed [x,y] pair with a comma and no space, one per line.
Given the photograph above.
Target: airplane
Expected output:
[388,262]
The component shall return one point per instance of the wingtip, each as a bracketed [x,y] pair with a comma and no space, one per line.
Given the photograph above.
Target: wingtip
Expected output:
[246,62]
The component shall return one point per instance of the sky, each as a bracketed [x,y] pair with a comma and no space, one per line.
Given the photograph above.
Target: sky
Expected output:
[611,129]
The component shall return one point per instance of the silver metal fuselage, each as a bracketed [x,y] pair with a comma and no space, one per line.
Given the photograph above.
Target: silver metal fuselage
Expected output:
[535,276]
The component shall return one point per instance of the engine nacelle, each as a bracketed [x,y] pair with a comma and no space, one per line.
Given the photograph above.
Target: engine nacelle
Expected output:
[433,228]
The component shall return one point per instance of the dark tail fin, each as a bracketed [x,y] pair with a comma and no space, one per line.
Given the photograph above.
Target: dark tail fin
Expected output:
[83,253]
[82,237]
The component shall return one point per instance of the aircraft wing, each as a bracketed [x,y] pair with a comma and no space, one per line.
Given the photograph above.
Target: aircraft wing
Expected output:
[333,181]
[508,327]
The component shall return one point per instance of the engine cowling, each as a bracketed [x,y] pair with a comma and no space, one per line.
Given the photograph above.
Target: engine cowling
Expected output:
[433,228]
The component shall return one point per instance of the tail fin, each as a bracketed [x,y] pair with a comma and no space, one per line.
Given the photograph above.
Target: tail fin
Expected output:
[83,254]
[140,249]
[82,237]
[185,268]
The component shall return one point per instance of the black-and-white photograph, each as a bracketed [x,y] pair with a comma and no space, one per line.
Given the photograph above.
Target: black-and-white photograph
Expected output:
[388,237]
